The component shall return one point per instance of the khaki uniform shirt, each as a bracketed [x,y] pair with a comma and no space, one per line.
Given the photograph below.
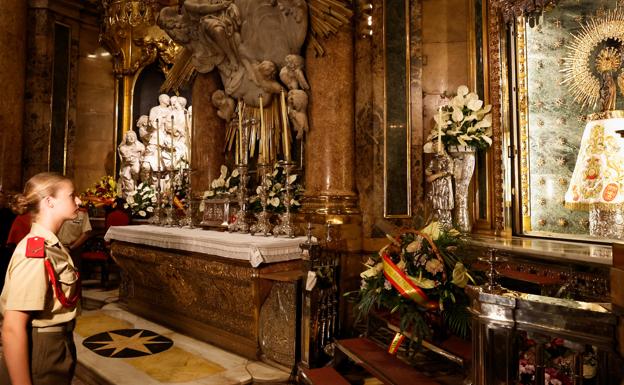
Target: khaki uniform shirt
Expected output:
[73,229]
[27,286]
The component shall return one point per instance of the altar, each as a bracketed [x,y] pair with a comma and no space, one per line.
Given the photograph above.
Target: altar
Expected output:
[236,291]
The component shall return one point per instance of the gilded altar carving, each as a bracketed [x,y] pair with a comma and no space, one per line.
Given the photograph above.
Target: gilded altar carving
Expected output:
[511,9]
[212,298]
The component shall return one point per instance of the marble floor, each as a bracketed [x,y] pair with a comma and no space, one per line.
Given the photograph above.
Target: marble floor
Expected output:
[120,348]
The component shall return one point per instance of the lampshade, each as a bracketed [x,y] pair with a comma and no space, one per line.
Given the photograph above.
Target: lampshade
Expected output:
[598,177]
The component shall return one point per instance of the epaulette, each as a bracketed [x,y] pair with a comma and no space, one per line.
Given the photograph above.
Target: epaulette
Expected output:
[35,247]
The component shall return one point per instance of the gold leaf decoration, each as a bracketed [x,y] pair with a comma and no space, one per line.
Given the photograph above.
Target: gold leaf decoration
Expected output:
[583,84]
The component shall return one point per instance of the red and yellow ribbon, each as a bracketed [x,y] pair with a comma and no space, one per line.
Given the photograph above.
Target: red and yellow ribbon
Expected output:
[404,285]
[396,343]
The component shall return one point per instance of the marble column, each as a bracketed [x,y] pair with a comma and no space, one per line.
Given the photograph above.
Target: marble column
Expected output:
[12,77]
[208,133]
[330,144]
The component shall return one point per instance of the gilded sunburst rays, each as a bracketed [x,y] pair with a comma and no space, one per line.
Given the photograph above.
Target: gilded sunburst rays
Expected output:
[583,84]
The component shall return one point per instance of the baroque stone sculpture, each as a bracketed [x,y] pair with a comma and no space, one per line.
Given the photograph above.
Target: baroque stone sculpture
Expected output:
[247,40]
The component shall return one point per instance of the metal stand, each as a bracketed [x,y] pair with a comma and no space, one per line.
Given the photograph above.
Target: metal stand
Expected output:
[187,221]
[285,227]
[156,218]
[263,225]
[241,224]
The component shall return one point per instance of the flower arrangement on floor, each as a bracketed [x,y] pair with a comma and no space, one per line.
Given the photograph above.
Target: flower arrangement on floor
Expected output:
[465,121]
[559,361]
[275,185]
[141,201]
[420,277]
[103,193]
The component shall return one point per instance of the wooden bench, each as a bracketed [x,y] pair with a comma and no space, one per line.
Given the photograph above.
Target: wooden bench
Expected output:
[323,376]
[382,365]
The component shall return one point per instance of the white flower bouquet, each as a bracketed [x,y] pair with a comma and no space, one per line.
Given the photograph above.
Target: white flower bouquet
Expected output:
[465,121]
[224,184]
[275,185]
[142,201]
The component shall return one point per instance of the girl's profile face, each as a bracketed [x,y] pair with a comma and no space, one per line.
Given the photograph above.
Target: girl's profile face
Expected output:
[64,202]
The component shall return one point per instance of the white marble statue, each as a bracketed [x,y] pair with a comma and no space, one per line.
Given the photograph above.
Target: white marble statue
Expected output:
[298,111]
[130,153]
[179,129]
[161,112]
[292,73]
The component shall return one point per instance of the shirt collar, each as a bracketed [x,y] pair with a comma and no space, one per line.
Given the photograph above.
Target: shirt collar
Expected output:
[40,231]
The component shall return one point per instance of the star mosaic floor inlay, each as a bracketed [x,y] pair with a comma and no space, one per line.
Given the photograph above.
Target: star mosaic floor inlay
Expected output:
[127,343]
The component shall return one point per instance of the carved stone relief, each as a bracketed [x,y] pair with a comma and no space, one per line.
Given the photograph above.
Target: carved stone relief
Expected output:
[248,41]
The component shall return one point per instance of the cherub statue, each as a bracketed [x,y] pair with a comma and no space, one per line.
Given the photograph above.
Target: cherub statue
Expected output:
[298,111]
[263,75]
[224,104]
[130,153]
[292,73]
[438,174]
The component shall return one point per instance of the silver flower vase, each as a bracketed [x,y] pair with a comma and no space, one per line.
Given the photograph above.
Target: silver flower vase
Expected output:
[463,169]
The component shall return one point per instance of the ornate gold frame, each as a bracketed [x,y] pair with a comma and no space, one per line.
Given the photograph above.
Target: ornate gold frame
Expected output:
[495,27]
[408,118]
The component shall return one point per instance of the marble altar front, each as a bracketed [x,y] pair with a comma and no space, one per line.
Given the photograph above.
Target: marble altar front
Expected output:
[236,291]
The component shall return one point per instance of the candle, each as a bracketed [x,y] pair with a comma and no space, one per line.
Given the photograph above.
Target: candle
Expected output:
[440,130]
[263,137]
[172,150]
[189,143]
[285,128]
[240,148]
[158,158]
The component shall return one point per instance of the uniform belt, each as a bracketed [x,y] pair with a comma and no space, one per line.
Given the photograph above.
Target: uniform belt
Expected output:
[60,328]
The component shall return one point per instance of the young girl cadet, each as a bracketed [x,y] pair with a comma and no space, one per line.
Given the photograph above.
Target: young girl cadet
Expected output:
[39,300]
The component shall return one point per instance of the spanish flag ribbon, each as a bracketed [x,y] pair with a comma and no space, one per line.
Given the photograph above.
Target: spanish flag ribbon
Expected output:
[403,284]
[396,343]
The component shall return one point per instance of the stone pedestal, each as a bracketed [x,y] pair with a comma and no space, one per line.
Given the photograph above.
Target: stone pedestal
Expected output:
[12,77]
[208,133]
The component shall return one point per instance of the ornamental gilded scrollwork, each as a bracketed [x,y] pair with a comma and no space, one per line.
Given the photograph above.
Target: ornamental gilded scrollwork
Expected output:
[511,9]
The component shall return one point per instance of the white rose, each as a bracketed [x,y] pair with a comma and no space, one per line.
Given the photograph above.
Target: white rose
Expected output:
[235,173]
[142,213]
[150,209]
[458,102]
[130,199]
[125,205]
[274,202]
[292,178]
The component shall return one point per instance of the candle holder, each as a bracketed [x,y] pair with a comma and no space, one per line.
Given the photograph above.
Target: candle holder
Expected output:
[156,218]
[241,224]
[286,227]
[187,220]
[262,225]
[169,221]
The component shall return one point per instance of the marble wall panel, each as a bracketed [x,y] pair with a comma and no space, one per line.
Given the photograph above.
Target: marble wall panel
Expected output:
[95,107]
[369,118]
[208,133]
[12,77]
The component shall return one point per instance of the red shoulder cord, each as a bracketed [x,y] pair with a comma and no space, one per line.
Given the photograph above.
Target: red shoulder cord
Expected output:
[67,303]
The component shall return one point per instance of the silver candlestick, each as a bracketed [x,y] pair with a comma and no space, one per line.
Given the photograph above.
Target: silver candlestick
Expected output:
[187,220]
[156,218]
[285,227]
[262,225]
[241,224]
[168,220]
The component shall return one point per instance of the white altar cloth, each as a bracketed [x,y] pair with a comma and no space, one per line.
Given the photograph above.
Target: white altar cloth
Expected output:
[255,249]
